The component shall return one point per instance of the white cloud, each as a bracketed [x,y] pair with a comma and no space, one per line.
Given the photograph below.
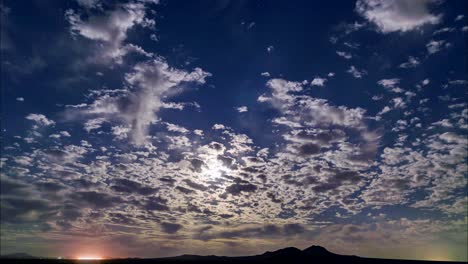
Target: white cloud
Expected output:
[20,99]
[389,83]
[93,124]
[344,54]
[148,84]
[242,109]
[397,15]
[317,81]
[120,132]
[90,3]
[54,136]
[443,30]
[398,102]
[266,74]
[152,81]
[331,74]
[40,119]
[198,132]
[64,134]
[459,17]
[270,49]
[411,63]
[355,72]
[176,128]
[218,127]
[110,28]
[435,46]
[386,109]
[281,91]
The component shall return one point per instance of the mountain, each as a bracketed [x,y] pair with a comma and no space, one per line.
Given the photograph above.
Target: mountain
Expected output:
[289,255]
[318,251]
[17,256]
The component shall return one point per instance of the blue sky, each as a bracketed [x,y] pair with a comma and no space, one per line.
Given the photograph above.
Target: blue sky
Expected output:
[207,127]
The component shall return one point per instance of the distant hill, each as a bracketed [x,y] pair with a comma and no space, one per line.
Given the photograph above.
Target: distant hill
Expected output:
[17,256]
[289,255]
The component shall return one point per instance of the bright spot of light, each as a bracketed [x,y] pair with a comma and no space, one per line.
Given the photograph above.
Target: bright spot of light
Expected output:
[89,258]
[214,168]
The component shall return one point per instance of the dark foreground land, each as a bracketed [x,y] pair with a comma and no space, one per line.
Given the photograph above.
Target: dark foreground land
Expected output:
[314,254]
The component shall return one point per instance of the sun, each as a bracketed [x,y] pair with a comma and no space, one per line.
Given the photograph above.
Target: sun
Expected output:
[89,258]
[214,168]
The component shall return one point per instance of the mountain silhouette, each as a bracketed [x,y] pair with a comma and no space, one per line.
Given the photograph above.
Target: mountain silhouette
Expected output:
[289,255]
[17,256]
[318,251]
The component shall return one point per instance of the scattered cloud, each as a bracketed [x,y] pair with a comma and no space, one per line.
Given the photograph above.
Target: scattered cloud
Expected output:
[397,15]
[411,63]
[40,120]
[356,73]
[270,49]
[344,54]
[317,81]
[242,109]
[435,46]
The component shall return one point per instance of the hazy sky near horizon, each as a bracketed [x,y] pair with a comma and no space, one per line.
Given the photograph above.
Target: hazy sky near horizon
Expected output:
[155,128]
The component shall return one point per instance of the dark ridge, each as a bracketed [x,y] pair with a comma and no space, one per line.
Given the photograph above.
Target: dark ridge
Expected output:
[318,251]
[289,255]
[17,256]
[284,252]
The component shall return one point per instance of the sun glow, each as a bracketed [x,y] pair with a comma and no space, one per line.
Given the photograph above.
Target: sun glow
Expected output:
[89,258]
[214,168]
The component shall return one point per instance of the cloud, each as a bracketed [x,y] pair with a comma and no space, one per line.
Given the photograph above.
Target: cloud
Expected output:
[156,204]
[120,132]
[110,28]
[239,187]
[270,49]
[435,46]
[397,15]
[459,17]
[411,63]
[175,128]
[358,74]
[20,99]
[170,228]
[218,127]
[317,81]
[40,119]
[443,30]
[149,83]
[265,74]
[242,109]
[391,85]
[344,54]
[253,231]
[90,3]
[129,186]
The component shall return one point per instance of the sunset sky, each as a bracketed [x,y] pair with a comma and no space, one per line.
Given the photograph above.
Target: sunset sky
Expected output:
[157,128]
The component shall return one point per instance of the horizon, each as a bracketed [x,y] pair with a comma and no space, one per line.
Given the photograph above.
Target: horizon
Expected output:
[97,258]
[155,128]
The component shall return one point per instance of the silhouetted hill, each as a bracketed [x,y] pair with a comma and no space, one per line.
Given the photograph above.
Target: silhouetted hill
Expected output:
[17,256]
[318,251]
[290,255]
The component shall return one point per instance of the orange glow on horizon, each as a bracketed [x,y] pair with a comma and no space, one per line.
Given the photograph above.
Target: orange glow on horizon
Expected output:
[89,258]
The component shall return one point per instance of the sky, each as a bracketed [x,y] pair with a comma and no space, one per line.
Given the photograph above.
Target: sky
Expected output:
[157,128]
